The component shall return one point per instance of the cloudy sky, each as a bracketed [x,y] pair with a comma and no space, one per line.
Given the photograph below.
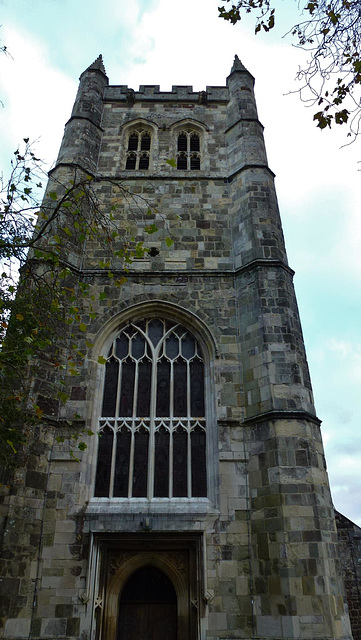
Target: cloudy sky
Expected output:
[169,42]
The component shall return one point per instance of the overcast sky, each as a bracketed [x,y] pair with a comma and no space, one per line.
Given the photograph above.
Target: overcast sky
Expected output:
[169,42]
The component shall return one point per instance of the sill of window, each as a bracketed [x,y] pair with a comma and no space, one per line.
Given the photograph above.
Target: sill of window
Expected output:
[156,505]
[161,173]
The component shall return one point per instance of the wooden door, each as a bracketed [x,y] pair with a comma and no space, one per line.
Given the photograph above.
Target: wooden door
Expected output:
[148,607]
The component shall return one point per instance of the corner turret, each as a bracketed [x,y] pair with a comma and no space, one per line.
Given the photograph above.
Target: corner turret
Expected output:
[237,65]
[81,141]
[244,130]
[240,83]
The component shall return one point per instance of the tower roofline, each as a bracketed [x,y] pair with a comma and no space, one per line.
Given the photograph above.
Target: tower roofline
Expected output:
[238,66]
[97,65]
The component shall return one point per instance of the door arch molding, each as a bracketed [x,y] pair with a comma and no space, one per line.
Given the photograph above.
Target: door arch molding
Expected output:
[172,567]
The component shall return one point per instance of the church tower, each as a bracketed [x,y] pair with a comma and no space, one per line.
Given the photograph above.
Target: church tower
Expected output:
[201,507]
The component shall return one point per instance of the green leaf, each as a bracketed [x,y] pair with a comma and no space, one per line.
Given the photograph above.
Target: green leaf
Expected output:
[11,445]
[63,396]
[151,228]
[101,360]
[171,162]
[169,242]
[83,326]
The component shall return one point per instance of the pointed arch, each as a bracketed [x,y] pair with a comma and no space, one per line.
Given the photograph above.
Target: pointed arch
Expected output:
[177,558]
[189,142]
[139,141]
[154,309]
[154,406]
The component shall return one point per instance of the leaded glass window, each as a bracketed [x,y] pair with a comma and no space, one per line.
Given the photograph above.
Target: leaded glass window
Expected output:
[188,151]
[138,152]
[152,429]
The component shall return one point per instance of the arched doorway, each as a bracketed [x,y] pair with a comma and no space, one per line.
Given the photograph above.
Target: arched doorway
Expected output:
[148,607]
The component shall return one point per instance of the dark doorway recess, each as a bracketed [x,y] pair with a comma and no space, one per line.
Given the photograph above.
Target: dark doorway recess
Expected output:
[148,607]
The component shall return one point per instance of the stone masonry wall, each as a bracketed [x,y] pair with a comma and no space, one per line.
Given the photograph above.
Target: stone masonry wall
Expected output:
[349,539]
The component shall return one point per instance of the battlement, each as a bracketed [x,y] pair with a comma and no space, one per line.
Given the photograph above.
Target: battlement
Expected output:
[151,92]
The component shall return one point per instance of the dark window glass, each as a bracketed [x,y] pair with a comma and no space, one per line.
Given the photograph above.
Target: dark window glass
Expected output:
[127,392]
[172,346]
[180,439]
[144,162]
[197,388]
[195,163]
[138,346]
[105,450]
[110,388]
[188,346]
[155,331]
[180,388]
[194,142]
[131,161]
[144,388]
[182,162]
[140,470]
[161,471]
[121,475]
[133,142]
[163,385]
[182,142]
[121,346]
[145,144]
[198,455]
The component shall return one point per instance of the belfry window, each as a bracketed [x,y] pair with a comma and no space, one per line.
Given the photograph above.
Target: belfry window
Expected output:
[138,151]
[152,431]
[188,151]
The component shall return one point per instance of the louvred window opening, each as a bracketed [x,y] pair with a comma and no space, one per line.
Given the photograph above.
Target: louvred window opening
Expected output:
[138,157]
[188,151]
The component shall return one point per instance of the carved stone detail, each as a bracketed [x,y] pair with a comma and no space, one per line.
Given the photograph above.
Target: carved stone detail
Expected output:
[178,559]
[117,561]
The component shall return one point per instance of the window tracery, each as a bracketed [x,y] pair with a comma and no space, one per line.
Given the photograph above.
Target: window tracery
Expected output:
[138,150]
[188,150]
[152,430]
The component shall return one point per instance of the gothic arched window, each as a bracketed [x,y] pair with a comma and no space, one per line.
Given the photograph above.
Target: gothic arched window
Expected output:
[152,431]
[188,150]
[138,150]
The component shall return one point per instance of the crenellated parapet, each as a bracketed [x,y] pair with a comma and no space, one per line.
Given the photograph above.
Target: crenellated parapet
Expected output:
[148,93]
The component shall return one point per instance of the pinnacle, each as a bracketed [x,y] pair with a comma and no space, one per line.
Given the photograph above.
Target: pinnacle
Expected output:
[98,65]
[237,65]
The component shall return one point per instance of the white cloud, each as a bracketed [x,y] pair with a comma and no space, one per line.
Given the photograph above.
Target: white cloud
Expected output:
[37,98]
